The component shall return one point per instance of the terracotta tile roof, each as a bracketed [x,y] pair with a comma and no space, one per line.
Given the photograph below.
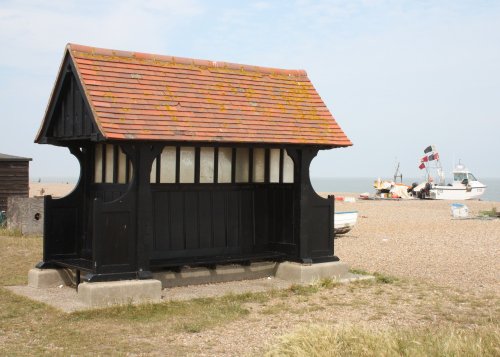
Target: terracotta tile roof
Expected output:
[151,97]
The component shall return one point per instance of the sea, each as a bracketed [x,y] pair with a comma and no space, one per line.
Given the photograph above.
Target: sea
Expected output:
[341,184]
[365,184]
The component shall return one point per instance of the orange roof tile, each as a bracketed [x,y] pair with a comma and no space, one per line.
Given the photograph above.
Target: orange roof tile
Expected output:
[151,97]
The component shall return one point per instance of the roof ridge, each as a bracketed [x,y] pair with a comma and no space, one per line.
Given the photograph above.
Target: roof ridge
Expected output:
[185,60]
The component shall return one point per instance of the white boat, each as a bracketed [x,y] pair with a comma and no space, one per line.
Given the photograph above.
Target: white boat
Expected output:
[344,221]
[465,186]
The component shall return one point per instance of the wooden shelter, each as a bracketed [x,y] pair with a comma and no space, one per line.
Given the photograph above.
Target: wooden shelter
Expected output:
[14,178]
[184,162]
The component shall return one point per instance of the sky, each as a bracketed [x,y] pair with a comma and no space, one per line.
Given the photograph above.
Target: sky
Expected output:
[398,76]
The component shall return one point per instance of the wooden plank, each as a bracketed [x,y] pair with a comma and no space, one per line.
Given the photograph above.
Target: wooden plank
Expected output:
[162,238]
[176,203]
[233,219]
[205,219]
[219,218]
[191,220]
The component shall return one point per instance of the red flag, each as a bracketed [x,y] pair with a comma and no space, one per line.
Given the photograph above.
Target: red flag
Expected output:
[424,159]
[422,166]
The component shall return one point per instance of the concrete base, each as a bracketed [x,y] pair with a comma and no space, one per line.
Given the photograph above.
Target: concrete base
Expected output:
[119,292]
[49,278]
[221,274]
[51,286]
[307,274]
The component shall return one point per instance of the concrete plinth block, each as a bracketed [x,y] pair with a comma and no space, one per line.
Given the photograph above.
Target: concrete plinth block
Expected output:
[222,273]
[48,278]
[187,276]
[119,292]
[234,272]
[307,274]
[194,273]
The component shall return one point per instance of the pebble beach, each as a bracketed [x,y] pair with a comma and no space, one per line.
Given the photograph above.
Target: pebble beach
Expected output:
[420,239]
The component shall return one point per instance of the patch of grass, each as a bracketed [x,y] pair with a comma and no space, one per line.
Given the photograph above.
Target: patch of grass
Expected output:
[276,309]
[309,289]
[303,290]
[17,307]
[10,232]
[190,316]
[17,256]
[359,271]
[37,329]
[384,279]
[260,297]
[320,340]
[491,213]
[379,277]
[327,283]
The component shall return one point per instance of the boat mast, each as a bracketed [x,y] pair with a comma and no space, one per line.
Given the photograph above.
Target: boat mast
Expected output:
[440,172]
[396,174]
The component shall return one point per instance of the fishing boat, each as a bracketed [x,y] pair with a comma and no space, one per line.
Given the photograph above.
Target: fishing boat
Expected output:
[465,186]
[344,221]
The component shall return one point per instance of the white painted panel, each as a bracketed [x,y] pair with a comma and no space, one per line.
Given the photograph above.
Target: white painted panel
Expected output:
[224,165]
[186,174]
[122,166]
[152,175]
[206,165]
[167,164]
[242,165]
[274,165]
[109,163]
[98,164]
[259,165]
[287,168]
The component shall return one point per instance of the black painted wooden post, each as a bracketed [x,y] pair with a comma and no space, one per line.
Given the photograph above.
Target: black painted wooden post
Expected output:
[86,177]
[145,155]
[313,213]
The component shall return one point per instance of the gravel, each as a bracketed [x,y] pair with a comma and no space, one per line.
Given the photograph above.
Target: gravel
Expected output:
[420,239]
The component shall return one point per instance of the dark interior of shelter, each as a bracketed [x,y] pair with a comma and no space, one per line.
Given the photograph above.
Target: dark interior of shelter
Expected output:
[208,194]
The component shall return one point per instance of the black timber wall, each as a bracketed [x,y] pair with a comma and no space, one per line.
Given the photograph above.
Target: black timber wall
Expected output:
[71,118]
[14,180]
[196,221]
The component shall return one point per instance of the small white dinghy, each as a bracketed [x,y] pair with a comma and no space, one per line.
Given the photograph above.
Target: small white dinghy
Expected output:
[344,221]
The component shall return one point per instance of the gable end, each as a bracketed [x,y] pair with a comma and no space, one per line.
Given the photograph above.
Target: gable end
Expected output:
[68,116]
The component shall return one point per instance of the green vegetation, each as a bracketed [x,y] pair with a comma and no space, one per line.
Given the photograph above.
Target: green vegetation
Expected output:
[18,255]
[10,232]
[385,279]
[491,213]
[317,341]
[191,316]
[359,272]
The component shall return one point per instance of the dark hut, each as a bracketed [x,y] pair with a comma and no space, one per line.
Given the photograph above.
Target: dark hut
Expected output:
[185,162]
[14,178]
